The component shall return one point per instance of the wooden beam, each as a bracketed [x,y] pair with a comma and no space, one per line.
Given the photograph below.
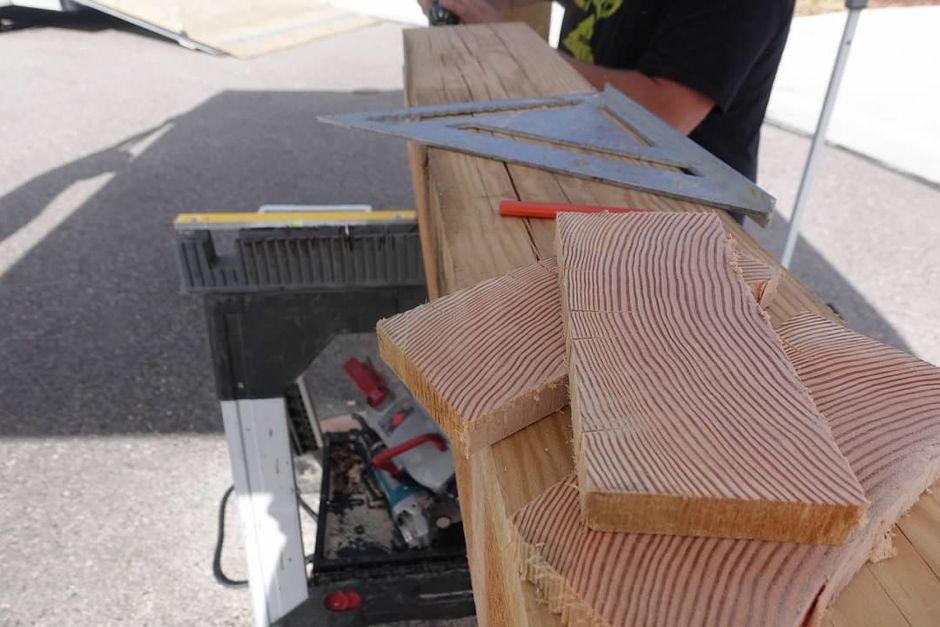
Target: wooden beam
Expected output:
[688,418]
[595,577]
[497,482]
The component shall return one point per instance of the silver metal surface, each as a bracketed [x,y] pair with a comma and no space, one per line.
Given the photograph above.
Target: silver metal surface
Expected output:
[263,475]
[603,136]
[427,465]
[819,137]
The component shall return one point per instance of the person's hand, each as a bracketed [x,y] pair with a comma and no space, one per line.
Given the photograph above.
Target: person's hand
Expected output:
[469,11]
[473,11]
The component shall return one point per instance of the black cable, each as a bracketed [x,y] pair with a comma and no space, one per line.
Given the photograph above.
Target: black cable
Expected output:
[217,572]
[307,508]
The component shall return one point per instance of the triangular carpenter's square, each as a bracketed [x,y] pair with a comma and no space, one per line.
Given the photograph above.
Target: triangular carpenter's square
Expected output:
[603,136]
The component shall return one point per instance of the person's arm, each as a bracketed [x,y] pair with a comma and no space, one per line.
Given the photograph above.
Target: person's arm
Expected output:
[709,49]
[682,107]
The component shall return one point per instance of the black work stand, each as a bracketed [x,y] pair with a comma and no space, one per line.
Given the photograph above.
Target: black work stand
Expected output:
[272,304]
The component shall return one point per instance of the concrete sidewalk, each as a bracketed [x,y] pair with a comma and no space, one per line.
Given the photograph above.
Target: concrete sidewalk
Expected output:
[890,93]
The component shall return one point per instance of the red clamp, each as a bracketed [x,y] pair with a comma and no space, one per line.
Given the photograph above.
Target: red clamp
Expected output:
[384,459]
[367,380]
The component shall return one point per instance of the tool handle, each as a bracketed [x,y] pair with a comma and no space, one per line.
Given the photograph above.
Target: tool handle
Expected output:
[368,380]
[384,459]
[548,210]
[439,16]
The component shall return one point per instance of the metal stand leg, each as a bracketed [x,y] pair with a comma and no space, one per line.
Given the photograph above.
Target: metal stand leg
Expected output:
[263,473]
[820,136]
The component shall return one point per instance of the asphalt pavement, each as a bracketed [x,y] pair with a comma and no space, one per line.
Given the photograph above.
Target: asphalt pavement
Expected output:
[111,454]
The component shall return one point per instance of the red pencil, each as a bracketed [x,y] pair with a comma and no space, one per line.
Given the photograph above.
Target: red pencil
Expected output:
[548,210]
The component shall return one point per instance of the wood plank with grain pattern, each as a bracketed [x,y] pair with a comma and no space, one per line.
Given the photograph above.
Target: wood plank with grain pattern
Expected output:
[490,360]
[874,398]
[688,417]
[761,277]
[486,361]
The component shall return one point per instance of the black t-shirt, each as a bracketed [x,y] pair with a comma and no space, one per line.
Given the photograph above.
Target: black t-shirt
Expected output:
[728,50]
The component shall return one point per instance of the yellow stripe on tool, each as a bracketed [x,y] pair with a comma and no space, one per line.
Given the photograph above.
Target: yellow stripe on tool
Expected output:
[290,219]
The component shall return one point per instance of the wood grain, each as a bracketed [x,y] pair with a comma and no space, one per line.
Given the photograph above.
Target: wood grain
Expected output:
[500,480]
[761,277]
[874,398]
[486,361]
[489,360]
[688,418]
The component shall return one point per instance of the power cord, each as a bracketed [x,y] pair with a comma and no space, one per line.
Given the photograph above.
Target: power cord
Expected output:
[308,509]
[217,571]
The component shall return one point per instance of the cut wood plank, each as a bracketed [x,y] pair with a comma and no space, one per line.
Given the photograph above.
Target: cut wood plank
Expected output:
[762,278]
[688,418]
[883,406]
[489,360]
[875,398]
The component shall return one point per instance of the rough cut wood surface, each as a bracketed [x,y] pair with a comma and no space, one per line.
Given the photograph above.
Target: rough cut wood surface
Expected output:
[884,409]
[460,198]
[762,278]
[486,361]
[688,418]
[489,360]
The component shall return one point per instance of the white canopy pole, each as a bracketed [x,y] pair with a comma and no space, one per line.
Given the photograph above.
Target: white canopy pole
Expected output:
[819,137]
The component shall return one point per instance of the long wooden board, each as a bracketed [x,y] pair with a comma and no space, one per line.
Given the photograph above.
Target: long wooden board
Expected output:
[489,360]
[688,418]
[463,248]
[884,409]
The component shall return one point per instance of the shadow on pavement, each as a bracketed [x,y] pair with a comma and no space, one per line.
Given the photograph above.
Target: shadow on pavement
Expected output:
[95,337]
[810,267]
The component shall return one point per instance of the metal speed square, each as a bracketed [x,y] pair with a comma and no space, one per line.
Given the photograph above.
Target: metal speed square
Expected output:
[603,136]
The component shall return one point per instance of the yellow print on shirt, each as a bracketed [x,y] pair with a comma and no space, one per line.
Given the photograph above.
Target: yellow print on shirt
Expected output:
[578,41]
